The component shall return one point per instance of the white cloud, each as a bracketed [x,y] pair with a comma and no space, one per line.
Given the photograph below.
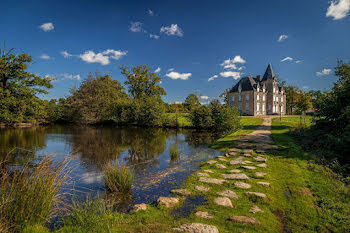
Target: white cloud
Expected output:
[231,63]
[171,69]
[233,74]
[136,27]
[204,97]
[212,78]
[103,57]
[177,102]
[282,38]
[338,9]
[305,87]
[157,70]
[297,61]
[287,59]
[66,54]
[241,68]
[176,75]
[150,12]
[70,76]
[324,72]
[45,56]
[46,27]
[154,36]
[172,30]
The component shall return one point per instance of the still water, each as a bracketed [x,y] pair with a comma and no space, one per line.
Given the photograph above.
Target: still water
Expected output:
[146,150]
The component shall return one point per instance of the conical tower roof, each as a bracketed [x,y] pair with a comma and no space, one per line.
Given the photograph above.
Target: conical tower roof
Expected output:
[268,73]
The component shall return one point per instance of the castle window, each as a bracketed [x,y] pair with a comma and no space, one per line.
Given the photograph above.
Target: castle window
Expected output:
[274,108]
[239,98]
[233,98]
[257,97]
[263,106]
[257,88]
[264,89]
[263,97]
[281,99]
[258,107]
[269,107]
[274,89]
[240,107]
[247,96]
[247,107]
[281,108]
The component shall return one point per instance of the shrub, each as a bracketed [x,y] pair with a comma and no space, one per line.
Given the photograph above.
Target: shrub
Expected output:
[118,178]
[28,195]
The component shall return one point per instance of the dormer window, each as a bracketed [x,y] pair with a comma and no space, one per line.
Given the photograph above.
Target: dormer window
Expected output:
[257,88]
[239,88]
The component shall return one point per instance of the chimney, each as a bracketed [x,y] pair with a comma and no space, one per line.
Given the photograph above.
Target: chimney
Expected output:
[258,78]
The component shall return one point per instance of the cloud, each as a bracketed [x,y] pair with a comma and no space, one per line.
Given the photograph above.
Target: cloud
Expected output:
[297,61]
[45,56]
[70,76]
[338,9]
[150,12]
[241,68]
[177,102]
[305,87]
[46,27]
[204,97]
[172,30]
[157,70]
[233,74]
[282,38]
[103,57]
[171,69]
[136,27]
[154,36]
[231,63]
[66,54]
[324,72]
[287,59]
[176,75]
[212,78]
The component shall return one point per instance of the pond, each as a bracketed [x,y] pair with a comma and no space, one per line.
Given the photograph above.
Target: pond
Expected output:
[146,150]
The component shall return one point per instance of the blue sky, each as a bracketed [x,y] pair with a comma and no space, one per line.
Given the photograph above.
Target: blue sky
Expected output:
[190,41]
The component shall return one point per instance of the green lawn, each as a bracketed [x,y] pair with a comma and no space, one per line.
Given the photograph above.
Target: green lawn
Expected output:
[182,119]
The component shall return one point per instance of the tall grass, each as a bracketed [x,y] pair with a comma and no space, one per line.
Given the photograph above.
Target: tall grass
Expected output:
[118,178]
[174,152]
[29,195]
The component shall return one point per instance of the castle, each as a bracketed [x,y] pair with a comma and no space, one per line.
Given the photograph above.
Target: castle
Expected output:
[256,96]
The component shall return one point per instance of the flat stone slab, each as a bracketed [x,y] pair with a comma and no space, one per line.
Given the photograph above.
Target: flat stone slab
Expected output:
[220,166]
[202,174]
[247,162]
[249,167]
[211,180]
[236,161]
[139,207]
[260,174]
[203,214]
[255,209]
[266,184]
[222,159]
[211,162]
[223,201]
[239,176]
[235,171]
[244,219]
[168,201]
[260,151]
[197,228]
[264,165]
[220,156]
[235,150]
[181,192]
[227,193]
[202,188]
[261,195]
[260,158]
[208,171]
[247,150]
[242,185]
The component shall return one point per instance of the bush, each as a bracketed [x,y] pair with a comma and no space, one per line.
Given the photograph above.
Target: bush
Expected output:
[118,178]
[28,195]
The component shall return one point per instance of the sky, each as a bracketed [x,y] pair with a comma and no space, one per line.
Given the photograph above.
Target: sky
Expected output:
[194,46]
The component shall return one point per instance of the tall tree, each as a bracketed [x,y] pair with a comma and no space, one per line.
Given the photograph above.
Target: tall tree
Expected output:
[192,101]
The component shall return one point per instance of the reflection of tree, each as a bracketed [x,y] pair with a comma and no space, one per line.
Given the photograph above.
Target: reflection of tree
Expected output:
[22,143]
[198,138]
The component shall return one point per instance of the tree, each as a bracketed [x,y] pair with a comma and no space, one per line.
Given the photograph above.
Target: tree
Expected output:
[291,98]
[224,95]
[142,82]
[18,89]
[192,101]
[304,102]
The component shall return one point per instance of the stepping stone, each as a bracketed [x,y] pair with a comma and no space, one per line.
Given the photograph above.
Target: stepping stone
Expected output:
[254,209]
[139,207]
[248,150]
[222,159]
[249,167]
[181,192]
[227,155]
[235,171]
[168,201]
[208,171]
[203,214]
[227,193]
[236,161]
[197,228]
[202,174]
[262,195]
[266,184]
[211,162]
[211,180]
[220,156]
[232,153]
[260,151]
[260,174]
[239,176]
[223,201]
[244,219]
[202,188]
[262,165]
[260,159]
[247,162]
[220,166]
[235,150]
[242,185]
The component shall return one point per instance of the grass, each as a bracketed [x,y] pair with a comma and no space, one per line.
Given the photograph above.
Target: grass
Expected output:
[29,195]
[174,153]
[183,120]
[118,178]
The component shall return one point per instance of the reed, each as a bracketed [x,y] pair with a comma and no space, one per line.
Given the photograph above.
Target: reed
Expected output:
[118,178]
[174,152]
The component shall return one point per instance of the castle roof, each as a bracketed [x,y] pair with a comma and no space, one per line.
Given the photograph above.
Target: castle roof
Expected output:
[246,83]
[268,73]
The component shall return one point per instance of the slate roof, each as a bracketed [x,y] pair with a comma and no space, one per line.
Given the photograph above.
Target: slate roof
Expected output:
[247,84]
[268,73]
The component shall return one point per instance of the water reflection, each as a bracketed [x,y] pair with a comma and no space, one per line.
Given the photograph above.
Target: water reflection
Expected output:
[146,150]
